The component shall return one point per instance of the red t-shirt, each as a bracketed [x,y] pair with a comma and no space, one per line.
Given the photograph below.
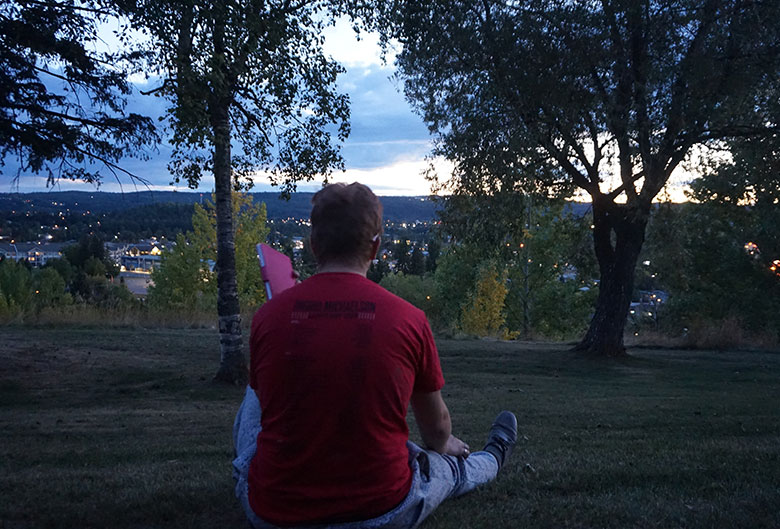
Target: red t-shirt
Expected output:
[334,362]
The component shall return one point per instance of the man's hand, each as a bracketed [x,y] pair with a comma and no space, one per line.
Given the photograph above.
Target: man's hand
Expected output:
[433,419]
[456,447]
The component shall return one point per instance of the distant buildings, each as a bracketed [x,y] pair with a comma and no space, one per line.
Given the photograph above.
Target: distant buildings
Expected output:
[35,253]
[646,309]
[141,257]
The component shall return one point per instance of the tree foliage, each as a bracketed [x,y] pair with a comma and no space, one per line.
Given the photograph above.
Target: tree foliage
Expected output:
[63,102]
[551,268]
[716,268]
[609,97]
[258,69]
[544,250]
[84,275]
[251,90]
[716,256]
[415,289]
[483,313]
[15,286]
[454,281]
[30,290]
[401,253]
[417,261]
[746,188]
[434,250]
[182,281]
[377,270]
[186,278]
[90,256]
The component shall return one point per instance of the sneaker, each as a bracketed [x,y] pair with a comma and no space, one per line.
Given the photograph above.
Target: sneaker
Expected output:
[502,437]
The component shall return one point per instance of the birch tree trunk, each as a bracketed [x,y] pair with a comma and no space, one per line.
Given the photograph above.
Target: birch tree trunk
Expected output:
[232,365]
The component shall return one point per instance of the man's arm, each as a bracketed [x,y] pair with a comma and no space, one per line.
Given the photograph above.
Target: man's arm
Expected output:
[433,420]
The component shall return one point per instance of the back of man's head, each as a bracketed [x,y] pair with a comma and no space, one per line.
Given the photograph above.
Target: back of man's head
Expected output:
[345,220]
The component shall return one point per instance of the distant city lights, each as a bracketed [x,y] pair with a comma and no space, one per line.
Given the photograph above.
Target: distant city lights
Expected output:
[752,248]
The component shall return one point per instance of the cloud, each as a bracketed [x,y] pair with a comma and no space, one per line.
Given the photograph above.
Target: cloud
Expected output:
[384,128]
[402,177]
[343,44]
[387,140]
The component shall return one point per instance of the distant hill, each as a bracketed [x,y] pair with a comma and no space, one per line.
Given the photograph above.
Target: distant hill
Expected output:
[400,209]
[397,209]
[578,208]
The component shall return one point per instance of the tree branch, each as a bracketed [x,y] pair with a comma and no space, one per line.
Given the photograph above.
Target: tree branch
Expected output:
[55,75]
[88,154]
[598,154]
[70,7]
[638,63]
[251,118]
[677,116]
[68,117]
[566,165]
[612,195]
[547,144]
[572,143]
[167,82]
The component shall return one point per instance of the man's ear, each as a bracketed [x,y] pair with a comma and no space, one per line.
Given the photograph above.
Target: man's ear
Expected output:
[375,244]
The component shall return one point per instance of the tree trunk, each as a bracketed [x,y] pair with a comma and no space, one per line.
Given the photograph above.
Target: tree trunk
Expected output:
[527,274]
[619,232]
[232,366]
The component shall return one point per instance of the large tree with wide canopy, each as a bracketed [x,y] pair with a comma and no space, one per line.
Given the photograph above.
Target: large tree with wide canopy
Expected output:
[611,96]
[252,93]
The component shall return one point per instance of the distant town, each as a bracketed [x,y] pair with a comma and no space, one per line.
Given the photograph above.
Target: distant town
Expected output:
[137,227]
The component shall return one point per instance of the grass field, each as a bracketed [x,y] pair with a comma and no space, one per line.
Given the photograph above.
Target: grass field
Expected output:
[123,428]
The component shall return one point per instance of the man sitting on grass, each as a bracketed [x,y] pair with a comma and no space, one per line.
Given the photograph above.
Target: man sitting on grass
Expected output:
[335,362]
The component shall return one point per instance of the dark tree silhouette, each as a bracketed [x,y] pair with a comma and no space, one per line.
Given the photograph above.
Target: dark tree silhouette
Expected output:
[62,104]
[608,96]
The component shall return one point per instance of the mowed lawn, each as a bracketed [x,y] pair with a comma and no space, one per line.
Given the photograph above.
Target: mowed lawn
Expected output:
[124,428]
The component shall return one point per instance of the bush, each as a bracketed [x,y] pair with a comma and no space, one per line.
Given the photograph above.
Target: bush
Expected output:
[417,290]
[49,289]
[456,272]
[483,313]
[561,310]
[183,281]
[15,286]
[719,290]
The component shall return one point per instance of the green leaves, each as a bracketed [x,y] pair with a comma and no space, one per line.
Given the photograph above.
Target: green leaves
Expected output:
[260,63]
[186,278]
[697,253]
[15,285]
[183,281]
[62,112]
[569,90]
